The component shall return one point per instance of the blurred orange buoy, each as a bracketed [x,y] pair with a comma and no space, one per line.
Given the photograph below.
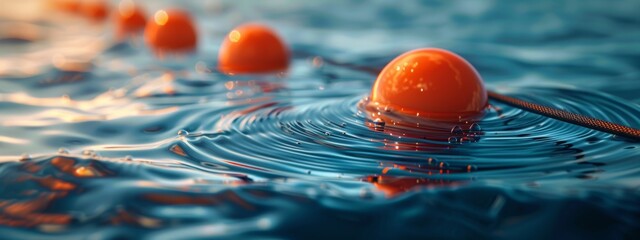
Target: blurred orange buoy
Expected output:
[171,31]
[432,83]
[66,5]
[96,10]
[253,48]
[130,19]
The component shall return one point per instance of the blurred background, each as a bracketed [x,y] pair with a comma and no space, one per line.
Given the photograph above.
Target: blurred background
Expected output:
[587,44]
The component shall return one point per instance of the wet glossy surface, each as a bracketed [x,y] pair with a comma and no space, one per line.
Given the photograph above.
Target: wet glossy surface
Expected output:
[96,10]
[430,83]
[253,48]
[129,18]
[171,31]
[107,141]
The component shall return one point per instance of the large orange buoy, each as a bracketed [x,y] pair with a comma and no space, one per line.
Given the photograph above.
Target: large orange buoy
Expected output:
[431,83]
[253,48]
[171,31]
[96,10]
[130,19]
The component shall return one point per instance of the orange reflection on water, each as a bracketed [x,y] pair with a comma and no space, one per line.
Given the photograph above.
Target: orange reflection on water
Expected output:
[393,186]
[55,184]
[217,199]
[34,206]
[178,150]
[25,213]
[69,166]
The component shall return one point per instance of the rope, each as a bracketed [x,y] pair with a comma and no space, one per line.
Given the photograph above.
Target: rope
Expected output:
[581,120]
[569,117]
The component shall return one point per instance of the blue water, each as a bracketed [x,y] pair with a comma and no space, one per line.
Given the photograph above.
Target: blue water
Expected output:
[102,140]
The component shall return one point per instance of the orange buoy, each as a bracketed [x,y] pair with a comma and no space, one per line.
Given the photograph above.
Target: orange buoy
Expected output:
[253,48]
[71,6]
[431,83]
[171,31]
[96,10]
[130,19]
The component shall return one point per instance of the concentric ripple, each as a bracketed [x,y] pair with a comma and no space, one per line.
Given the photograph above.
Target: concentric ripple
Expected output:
[331,138]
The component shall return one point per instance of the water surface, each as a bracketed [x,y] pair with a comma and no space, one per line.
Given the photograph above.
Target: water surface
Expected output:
[106,141]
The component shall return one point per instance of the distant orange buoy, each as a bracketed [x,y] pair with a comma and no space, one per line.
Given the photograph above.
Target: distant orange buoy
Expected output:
[130,19]
[96,10]
[171,31]
[431,83]
[253,48]
[67,5]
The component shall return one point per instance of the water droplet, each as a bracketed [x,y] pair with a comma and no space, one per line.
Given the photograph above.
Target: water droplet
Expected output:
[297,143]
[465,140]
[183,133]
[475,128]
[63,151]
[343,124]
[443,165]
[309,172]
[453,140]
[456,130]
[25,157]
[88,152]
[317,61]
[128,158]
[472,168]
[344,133]
[378,124]
[327,133]
[432,161]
